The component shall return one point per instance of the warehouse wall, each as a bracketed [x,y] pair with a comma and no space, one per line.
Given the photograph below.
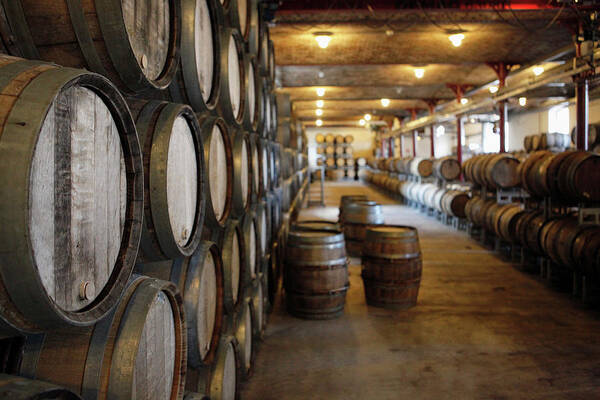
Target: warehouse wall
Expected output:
[362,146]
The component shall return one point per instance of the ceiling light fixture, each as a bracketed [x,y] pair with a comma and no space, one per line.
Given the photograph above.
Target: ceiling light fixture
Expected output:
[522,101]
[323,38]
[538,70]
[385,102]
[320,103]
[320,92]
[464,100]
[456,39]
[319,112]
[319,122]
[362,122]
[419,72]
[367,117]
[493,89]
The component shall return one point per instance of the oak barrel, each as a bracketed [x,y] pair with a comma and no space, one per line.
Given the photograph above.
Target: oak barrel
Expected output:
[232,94]
[173,157]
[420,166]
[243,335]
[578,177]
[105,36]
[251,246]
[500,171]
[138,351]
[257,297]
[358,216]
[315,225]
[234,265]
[347,199]
[198,78]
[446,168]
[18,388]
[392,266]
[586,251]
[453,202]
[254,112]
[218,156]
[72,200]
[316,274]
[242,174]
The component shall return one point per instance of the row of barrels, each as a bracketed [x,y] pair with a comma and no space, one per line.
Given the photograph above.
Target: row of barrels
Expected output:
[339,150]
[330,138]
[291,134]
[562,239]
[214,56]
[332,162]
[570,176]
[445,168]
[593,137]
[494,171]
[448,201]
[545,141]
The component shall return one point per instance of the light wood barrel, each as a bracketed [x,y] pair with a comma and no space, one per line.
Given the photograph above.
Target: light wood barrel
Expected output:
[497,171]
[243,335]
[527,144]
[320,138]
[421,167]
[251,246]
[453,203]
[358,216]
[272,62]
[254,111]
[259,321]
[578,177]
[264,165]
[531,233]
[316,274]
[219,381]
[219,171]
[234,265]
[263,227]
[392,266]
[232,101]
[316,225]
[348,139]
[138,351]
[507,226]
[72,201]
[347,199]
[173,157]
[257,185]
[329,138]
[242,174]
[108,37]
[18,388]
[446,168]
[198,79]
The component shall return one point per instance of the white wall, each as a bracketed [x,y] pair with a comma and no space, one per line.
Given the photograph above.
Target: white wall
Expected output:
[361,147]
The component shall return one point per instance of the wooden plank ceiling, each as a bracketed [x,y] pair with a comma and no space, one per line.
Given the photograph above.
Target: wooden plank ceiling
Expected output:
[373,52]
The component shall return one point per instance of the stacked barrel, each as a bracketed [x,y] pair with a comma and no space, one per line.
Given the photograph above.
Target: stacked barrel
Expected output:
[553,141]
[336,153]
[165,160]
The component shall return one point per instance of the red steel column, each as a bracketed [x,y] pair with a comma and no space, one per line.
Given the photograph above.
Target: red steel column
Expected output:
[583,102]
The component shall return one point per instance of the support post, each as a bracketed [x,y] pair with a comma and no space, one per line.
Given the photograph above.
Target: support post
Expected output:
[502,69]
[431,103]
[459,139]
[582,107]
[401,146]
[415,134]
[391,147]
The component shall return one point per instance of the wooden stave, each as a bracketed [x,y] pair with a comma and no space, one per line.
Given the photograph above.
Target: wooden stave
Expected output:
[391,245]
[366,212]
[52,79]
[18,388]
[252,263]
[272,62]
[573,172]
[252,122]
[441,163]
[560,244]
[392,284]
[153,120]
[124,71]
[239,205]
[231,302]
[185,87]
[240,332]
[258,305]
[263,46]
[224,104]
[508,223]
[257,178]
[551,171]
[586,251]
[263,224]
[207,123]
[527,168]
[532,233]
[252,40]
[116,333]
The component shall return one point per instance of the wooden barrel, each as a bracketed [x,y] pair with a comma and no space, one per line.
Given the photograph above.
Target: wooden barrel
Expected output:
[221,380]
[320,138]
[348,139]
[198,79]
[446,168]
[578,177]
[17,388]
[272,62]
[316,225]
[263,228]
[329,138]
[586,251]
[257,297]
[532,173]
[392,266]
[235,275]
[532,230]
[347,199]
[490,217]
[200,280]
[422,167]
[507,225]
[232,94]
[251,246]
[558,239]
[264,165]
[257,186]
[470,206]
[453,203]
[593,135]
[72,196]
[340,162]
[527,144]
[316,274]
[252,34]
[218,156]
[254,111]
[535,142]
[242,174]
[358,216]
[243,335]
[108,37]
[500,171]
[335,174]
[173,157]
[138,351]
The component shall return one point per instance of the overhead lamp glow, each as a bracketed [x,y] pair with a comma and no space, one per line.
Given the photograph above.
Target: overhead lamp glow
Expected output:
[320,92]
[385,102]
[367,117]
[362,122]
[319,122]
[319,112]
[493,89]
[464,100]
[419,72]
[538,70]
[440,131]
[522,101]
[320,103]
[456,39]
[323,39]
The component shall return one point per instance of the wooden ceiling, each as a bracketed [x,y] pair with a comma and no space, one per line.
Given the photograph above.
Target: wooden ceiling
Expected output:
[373,52]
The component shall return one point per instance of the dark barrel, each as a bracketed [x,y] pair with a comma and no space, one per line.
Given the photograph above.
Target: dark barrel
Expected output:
[358,216]
[392,266]
[316,274]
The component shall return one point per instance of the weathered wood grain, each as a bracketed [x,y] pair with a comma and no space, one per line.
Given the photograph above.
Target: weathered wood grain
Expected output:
[204,48]
[207,304]
[234,74]
[217,171]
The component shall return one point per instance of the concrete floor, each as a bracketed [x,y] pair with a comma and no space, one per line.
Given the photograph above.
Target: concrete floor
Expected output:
[481,330]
